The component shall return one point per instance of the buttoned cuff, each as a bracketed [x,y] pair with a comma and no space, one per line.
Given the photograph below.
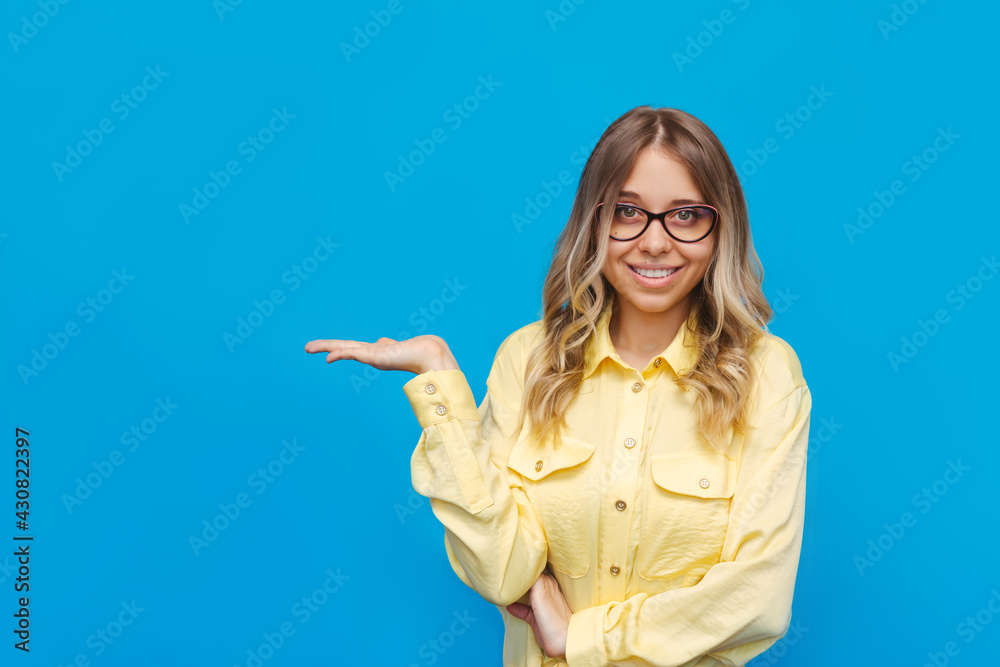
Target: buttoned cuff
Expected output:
[438,396]
[585,638]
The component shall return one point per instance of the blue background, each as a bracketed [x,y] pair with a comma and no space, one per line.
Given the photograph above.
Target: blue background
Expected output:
[439,251]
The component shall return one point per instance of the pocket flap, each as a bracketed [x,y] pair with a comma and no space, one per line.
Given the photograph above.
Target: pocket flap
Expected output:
[696,473]
[534,462]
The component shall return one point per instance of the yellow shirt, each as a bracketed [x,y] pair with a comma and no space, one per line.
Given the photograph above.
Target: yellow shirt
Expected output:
[668,553]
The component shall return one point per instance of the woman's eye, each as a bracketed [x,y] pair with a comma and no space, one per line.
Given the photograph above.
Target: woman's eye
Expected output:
[627,211]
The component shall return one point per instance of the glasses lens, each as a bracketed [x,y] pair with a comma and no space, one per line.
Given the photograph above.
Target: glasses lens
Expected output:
[627,221]
[690,223]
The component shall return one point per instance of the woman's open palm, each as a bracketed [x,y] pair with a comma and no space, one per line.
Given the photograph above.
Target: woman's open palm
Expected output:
[417,355]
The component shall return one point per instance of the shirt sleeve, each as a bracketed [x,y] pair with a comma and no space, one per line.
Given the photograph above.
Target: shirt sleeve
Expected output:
[493,537]
[743,603]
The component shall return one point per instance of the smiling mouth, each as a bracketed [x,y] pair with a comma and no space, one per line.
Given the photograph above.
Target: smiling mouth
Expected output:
[658,273]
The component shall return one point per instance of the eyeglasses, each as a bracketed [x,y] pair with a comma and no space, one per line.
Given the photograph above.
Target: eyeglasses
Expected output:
[686,224]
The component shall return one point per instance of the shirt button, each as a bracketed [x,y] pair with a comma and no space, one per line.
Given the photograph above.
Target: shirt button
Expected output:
[630,442]
[704,482]
[637,387]
[441,409]
[430,388]
[620,505]
[657,363]
[615,569]
[538,465]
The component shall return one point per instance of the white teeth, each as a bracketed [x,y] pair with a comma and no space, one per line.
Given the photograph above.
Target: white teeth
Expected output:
[659,273]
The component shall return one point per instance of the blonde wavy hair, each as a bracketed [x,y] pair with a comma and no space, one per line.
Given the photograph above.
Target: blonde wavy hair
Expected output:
[731,307]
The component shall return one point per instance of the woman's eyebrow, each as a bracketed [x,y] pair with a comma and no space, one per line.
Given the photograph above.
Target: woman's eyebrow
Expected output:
[628,194]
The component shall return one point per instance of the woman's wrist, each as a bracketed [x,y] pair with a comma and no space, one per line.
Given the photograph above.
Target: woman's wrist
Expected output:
[442,362]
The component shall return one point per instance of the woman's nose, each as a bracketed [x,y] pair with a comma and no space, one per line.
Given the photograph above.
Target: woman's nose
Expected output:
[656,239]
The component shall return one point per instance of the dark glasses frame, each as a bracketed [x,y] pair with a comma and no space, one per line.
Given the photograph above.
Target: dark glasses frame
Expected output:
[662,217]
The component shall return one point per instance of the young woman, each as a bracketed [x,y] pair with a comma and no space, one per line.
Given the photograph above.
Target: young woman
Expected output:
[631,489]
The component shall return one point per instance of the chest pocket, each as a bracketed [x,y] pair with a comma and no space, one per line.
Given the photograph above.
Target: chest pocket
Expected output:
[555,481]
[685,514]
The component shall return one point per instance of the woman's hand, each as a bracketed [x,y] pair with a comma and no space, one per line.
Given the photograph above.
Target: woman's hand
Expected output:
[548,615]
[417,355]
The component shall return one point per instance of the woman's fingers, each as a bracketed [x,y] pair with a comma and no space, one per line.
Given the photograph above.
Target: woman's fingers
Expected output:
[334,348]
[414,354]
[520,610]
[323,345]
[368,353]
[384,354]
[345,352]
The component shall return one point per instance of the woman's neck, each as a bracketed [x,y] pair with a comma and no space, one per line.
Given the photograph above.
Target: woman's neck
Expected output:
[639,335]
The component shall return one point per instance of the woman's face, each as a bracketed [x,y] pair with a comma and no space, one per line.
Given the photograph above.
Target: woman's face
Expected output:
[655,184]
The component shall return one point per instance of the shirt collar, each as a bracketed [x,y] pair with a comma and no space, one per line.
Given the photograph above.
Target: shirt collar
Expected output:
[681,354]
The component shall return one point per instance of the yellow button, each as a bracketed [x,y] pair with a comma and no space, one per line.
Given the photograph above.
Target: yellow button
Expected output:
[430,388]
[620,505]
[615,569]
[637,387]
[538,464]
[704,482]
[630,442]
[657,363]
[441,409]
